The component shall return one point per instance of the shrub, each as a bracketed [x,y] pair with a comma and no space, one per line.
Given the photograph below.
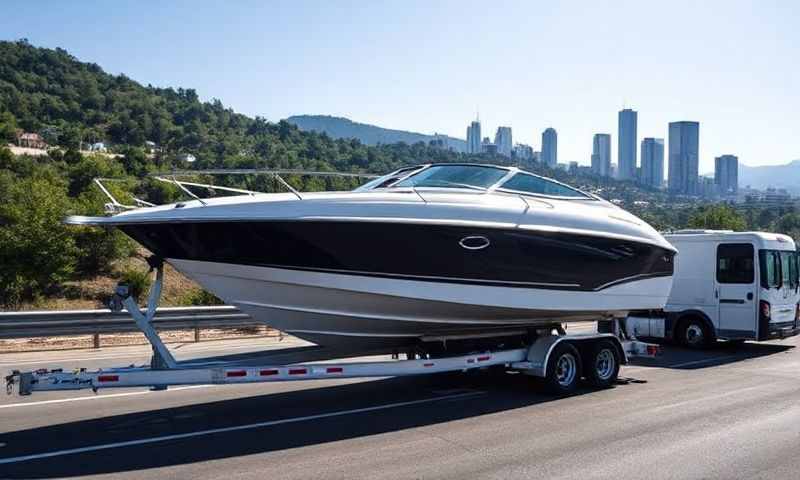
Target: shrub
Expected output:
[200,297]
[138,282]
[37,251]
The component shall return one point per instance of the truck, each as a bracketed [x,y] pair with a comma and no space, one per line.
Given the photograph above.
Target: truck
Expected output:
[732,286]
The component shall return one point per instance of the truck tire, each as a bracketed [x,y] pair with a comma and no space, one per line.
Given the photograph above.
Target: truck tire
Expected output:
[694,333]
[563,369]
[602,366]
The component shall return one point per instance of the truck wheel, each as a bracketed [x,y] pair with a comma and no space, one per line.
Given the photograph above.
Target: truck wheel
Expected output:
[694,333]
[563,369]
[602,367]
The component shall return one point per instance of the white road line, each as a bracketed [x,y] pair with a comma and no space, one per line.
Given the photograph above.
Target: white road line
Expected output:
[212,431]
[97,397]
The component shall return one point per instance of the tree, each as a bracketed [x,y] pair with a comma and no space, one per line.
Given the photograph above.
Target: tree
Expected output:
[717,217]
[37,251]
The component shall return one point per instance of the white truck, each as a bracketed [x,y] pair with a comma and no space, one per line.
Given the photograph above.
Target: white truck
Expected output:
[728,285]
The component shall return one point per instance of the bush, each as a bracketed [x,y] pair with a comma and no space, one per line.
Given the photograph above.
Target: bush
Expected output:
[200,297]
[138,282]
[37,251]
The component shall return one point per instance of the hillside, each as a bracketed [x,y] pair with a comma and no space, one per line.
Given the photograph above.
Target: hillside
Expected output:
[779,176]
[339,127]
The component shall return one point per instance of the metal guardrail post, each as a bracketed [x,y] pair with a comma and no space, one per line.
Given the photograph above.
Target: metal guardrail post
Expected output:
[96,340]
[196,334]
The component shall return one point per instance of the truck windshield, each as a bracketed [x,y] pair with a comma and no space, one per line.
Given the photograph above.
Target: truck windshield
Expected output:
[778,268]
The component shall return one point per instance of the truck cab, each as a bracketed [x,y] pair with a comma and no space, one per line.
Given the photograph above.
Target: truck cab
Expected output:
[728,286]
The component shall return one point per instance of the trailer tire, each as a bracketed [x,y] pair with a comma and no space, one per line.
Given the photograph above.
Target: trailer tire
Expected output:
[563,369]
[694,333]
[602,366]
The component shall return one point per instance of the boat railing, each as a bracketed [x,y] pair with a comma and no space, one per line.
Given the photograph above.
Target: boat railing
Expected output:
[115,206]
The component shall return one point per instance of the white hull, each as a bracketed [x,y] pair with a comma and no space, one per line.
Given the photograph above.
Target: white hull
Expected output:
[331,308]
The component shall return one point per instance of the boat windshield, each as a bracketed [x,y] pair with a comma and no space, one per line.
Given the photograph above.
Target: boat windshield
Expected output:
[533,184]
[477,177]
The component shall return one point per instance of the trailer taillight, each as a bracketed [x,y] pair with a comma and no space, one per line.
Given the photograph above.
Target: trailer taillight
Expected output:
[765,309]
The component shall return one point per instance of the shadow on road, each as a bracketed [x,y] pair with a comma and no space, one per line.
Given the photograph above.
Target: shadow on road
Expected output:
[483,393]
[721,353]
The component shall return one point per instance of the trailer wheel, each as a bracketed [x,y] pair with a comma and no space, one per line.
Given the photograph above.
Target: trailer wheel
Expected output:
[694,333]
[602,367]
[563,369]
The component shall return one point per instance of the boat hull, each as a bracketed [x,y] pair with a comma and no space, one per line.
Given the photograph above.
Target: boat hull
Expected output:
[373,312]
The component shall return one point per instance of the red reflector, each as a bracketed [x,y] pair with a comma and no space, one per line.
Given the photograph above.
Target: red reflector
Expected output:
[297,371]
[236,373]
[108,378]
[334,370]
[265,373]
[484,358]
[427,365]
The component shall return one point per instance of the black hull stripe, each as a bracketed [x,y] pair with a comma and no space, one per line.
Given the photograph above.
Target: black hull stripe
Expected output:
[435,253]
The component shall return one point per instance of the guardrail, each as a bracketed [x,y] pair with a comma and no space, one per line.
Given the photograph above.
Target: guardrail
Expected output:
[94,322]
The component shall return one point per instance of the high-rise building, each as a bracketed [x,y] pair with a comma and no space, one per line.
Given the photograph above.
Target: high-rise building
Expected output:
[684,150]
[626,146]
[652,172]
[488,147]
[474,137]
[503,141]
[726,174]
[550,147]
[601,154]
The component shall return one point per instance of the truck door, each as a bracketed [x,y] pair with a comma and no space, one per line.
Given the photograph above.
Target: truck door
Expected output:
[736,291]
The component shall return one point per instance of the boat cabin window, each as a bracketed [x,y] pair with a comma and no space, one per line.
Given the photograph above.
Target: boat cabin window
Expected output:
[455,176]
[735,263]
[527,183]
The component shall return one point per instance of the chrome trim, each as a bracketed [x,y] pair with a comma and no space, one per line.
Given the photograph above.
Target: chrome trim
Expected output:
[463,242]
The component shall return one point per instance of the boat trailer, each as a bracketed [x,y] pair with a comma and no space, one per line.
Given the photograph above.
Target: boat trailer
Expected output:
[559,358]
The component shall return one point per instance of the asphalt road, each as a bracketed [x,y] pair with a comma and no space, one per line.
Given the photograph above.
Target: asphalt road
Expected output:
[726,413]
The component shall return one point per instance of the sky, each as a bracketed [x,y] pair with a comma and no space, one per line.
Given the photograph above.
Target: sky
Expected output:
[430,66]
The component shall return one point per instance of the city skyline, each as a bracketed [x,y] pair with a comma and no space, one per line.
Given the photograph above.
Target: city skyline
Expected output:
[260,59]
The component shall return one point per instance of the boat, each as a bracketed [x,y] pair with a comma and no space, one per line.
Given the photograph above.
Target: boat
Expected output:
[433,251]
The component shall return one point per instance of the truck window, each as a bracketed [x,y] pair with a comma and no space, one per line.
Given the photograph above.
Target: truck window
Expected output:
[735,263]
[770,261]
[789,268]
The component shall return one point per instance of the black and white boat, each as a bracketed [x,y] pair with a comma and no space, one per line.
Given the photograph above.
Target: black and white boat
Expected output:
[437,250]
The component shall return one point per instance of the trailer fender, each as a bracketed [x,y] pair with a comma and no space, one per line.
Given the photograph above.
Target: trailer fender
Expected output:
[539,352]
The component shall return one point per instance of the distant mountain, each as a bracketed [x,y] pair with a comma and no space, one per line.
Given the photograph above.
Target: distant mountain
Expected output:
[779,176]
[339,127]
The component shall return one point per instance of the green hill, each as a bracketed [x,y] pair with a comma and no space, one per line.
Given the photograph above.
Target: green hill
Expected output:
[339,127]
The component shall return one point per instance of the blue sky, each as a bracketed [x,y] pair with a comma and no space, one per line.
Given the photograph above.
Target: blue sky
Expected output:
[428,66]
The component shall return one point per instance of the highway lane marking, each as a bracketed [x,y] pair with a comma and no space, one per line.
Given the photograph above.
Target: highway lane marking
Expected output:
[97,397]
[179,436]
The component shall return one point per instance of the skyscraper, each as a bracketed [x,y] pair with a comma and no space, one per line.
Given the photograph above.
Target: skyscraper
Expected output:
[503,141]
[601,154]
[684,148]
[653,162]
[726,174]
[626,151]
[550,147]
[474,137]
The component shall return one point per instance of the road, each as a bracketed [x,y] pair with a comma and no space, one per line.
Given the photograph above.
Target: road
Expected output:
[732,412]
